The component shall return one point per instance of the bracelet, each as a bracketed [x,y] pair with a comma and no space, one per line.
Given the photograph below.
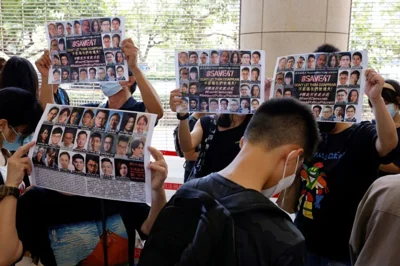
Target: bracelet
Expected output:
[184,117]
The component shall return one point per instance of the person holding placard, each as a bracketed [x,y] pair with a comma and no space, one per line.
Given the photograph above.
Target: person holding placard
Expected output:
[332,183]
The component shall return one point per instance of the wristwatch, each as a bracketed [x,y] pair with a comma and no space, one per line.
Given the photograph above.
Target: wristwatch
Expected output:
[8,191]
[184,117]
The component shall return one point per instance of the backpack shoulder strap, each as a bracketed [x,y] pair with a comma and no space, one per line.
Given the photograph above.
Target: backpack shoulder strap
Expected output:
[210,128]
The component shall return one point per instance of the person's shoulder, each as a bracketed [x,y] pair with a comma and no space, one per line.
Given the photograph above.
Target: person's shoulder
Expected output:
[132,105]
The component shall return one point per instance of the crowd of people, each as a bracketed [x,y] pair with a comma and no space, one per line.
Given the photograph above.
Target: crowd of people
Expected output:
[339,179]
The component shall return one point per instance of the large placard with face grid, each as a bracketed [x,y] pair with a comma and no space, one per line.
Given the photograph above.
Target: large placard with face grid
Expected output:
[220,81]
[331,83]
[93,152]
[87,50]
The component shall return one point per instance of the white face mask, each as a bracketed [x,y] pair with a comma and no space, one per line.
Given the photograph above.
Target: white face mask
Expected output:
[284,183]
[110,88]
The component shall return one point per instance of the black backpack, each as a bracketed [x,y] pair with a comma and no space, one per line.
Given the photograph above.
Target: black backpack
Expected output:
[193,229]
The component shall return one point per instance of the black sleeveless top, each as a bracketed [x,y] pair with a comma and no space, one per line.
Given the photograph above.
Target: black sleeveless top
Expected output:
[224,146]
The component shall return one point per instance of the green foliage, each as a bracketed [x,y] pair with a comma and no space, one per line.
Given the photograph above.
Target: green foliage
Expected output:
[374,27]
[162,24]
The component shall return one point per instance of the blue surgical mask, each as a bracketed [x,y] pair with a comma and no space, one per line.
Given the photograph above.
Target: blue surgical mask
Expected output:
[391,110]
[110,88]
[14,145]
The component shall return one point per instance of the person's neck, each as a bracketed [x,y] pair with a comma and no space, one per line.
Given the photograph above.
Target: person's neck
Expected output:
[118,100]
[340,127]
[250,168]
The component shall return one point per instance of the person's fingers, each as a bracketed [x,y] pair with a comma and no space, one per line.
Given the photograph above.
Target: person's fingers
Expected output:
[157,168]
[157,155]
[23,150]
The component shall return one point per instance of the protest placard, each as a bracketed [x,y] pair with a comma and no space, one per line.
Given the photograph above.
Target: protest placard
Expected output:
[93,152]
[331,83]
[220,81]
[86,50]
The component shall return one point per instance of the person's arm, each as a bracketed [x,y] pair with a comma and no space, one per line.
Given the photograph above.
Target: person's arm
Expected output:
[189,141]
[10,246]
[385,127]
[46,95]
[149,95]
[159,172]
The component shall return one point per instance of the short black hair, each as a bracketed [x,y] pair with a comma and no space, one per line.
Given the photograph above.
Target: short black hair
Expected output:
[255,100]
[90,112]
[64,55]
[20,107]
[95,135]
[56,71]
[289,75]
[318,107]
[82,133]
[116,36]
[91,157]
[83,70]
[70,130]
[65,110]
[117,19]
[356,72]
[328,107]
[65,153]
[18,72]
[358,54]
[77,156]
[311,56]
[120,67]
[351,106]
[344,72]
[106,160]
[288,89]
[57,130]
[116,114]
[245,69]
[109,136]
[341,90]
[290,57]
[256,69]
[123,139]
[193,99]
[76,22]
[102,111]
[275,121]
[190,53]
[257,53]
[136,143]
[92,68]
[214,100]
[326,48]
[224,100]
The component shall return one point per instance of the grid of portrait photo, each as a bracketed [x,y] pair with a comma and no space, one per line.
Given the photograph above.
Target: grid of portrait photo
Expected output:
[220,81]
[98,144]
[331,83]
[87,50]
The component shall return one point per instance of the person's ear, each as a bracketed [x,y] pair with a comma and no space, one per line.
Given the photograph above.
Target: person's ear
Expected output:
[241,142]
[3,124]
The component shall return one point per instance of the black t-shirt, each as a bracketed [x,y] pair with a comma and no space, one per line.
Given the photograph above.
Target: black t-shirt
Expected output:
[333,184]
[265,236]
[224,146]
